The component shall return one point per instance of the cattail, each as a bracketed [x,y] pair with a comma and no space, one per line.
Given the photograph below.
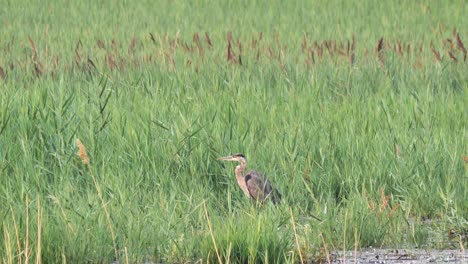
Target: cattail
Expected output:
[82,152]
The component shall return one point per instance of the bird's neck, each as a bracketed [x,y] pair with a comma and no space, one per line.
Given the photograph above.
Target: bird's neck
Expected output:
[240,170]
[240,178]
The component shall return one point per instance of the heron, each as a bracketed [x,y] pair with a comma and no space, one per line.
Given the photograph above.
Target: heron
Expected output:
[252,183]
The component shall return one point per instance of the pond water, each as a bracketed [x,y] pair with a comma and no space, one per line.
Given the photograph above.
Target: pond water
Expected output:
[386,256]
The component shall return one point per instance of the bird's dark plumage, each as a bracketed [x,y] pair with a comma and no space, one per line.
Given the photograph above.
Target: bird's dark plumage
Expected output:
[260,188]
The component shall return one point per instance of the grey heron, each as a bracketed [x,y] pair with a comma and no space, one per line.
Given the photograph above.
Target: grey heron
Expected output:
[252,183]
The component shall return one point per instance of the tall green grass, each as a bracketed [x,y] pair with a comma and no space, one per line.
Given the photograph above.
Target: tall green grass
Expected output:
[364,155]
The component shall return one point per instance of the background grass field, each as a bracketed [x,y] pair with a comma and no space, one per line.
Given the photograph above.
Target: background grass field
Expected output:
[355,110]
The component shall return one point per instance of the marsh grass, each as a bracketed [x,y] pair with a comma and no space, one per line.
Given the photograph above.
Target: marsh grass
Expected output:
[366,144]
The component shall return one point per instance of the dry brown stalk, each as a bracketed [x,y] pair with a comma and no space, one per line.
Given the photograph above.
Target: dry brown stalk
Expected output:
[449,43]
[271,53]
[197,41]
[436,54]
[231,57]
[186,47]
[253,43]
[82,152]
[348,47]
[239,46]
[18,244]
[6,238]
[113,45]
[353,47]
[326,249]
[79,45]
[465,159]
[460,43]
[319,49]
[295,236]
[208,40]
[26,239]
[33,46]
[230,54]
[461,46]
[152,38]
[91,63]
[311,55]
[397,150]
[399,48]
[304,44]
[77,53]
[2,73]
[329,47]
[85,159]
[177,39]
[418,64]
[111,61]
[344,236]
[132,46]
[211,233]
[452,56]
[122,64]
[39,231]
[380,53]
[421,46]
[38,68]
[101,44]
[196,38]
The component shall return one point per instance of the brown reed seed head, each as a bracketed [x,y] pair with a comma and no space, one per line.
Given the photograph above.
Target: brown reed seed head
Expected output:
[82,152]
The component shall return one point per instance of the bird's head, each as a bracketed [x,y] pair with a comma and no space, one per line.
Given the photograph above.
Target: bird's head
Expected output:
[236,157]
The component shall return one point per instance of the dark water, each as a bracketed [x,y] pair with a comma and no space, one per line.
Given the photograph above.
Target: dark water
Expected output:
[386,256]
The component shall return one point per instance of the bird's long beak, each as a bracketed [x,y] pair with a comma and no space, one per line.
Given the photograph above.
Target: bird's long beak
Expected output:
[226,158]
